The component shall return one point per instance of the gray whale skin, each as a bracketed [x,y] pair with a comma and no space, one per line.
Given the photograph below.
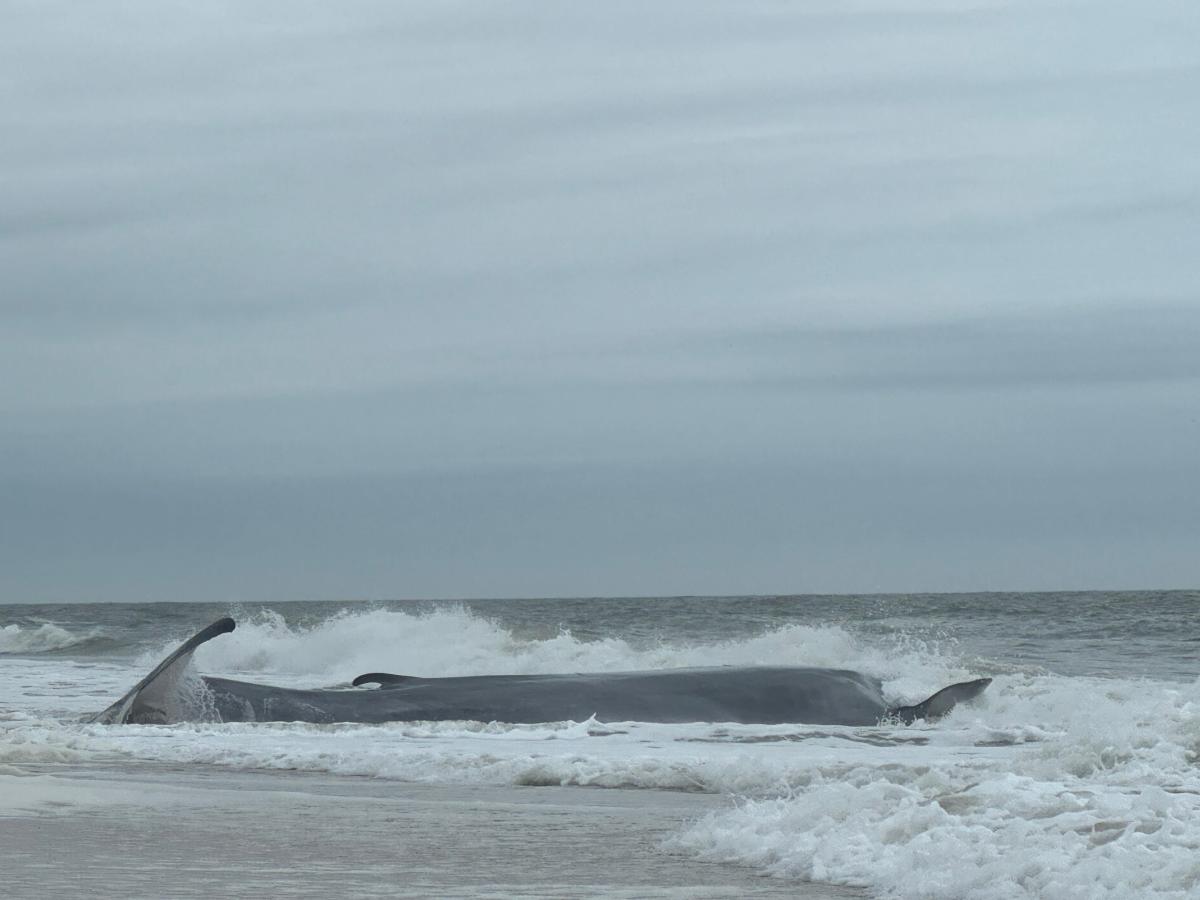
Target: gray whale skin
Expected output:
[752,695]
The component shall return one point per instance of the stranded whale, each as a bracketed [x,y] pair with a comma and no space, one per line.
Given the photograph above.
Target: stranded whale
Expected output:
[751,695]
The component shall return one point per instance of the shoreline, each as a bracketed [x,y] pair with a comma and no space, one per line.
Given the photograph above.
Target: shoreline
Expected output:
[147,830]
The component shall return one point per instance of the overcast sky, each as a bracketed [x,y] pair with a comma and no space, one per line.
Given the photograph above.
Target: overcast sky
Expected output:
[332,301]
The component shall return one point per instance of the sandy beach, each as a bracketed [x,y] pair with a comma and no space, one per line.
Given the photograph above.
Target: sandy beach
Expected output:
[162,831]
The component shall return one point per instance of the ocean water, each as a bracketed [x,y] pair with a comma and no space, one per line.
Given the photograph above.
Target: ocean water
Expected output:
[1077,775]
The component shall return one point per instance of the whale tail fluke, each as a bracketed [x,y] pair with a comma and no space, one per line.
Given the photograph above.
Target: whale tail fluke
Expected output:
[152,700]
[941,702]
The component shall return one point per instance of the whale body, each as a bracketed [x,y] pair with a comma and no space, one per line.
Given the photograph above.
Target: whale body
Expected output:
[750,695]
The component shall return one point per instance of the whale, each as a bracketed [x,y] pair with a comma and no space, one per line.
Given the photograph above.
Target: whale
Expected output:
[767,695]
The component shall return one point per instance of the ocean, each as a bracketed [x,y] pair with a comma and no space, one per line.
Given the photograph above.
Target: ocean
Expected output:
[1076,775]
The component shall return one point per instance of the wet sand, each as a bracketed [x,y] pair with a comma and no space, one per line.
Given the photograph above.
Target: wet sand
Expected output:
[165,832]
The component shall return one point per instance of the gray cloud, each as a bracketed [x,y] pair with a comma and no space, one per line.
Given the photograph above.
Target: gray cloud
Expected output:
[451,299]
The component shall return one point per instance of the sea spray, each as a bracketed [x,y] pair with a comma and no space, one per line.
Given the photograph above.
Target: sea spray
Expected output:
[453,640]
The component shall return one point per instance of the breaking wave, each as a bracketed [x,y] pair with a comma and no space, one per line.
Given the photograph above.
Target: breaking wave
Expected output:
[1091,788]
[48,638]
[456,641]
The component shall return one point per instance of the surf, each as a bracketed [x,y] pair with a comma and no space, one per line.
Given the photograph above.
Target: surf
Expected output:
[758,694]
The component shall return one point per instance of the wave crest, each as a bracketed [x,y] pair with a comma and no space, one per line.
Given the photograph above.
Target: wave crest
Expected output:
[448,641]
[45,638]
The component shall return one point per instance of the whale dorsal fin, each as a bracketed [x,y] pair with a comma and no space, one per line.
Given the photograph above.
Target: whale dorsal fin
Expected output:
[149,698]
[941,702]
[383,679]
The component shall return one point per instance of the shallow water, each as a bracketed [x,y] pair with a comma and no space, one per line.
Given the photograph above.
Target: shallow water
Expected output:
[187,832]
[1075,776]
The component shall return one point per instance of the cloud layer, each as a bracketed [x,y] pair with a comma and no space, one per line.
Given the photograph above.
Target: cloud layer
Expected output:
[451,299]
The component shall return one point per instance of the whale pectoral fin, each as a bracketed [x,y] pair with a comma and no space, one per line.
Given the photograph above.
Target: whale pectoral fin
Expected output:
[383,679]
[147,700]
[941,702]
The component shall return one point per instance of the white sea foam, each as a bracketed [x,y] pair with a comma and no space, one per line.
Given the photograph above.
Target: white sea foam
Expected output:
[734,759]
[1104,803]
[455,641]
[25,741]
